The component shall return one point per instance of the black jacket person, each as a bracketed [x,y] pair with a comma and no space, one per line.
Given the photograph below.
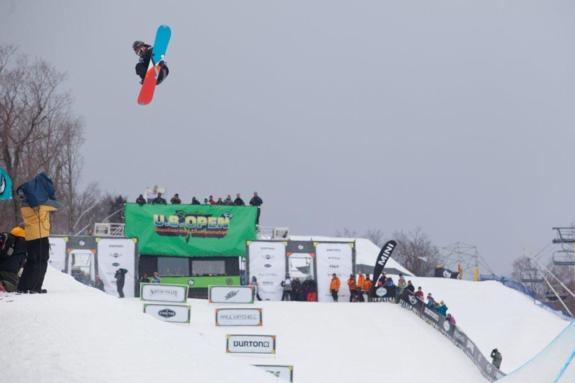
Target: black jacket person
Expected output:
[120,279]
[144,51]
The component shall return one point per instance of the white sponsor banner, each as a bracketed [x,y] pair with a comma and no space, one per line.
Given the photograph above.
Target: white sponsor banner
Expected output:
[284,372]
[169,313]
[231,294]
[251,344]
[333,258]
[156,292]
[58,253]
[114,254]
[238,317]
[267,262]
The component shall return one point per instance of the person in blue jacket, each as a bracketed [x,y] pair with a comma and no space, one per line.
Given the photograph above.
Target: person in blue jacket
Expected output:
[442,309]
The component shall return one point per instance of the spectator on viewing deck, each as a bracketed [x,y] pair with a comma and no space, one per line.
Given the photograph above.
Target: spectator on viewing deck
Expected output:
[254,284]
[286,286]
[239,201]
[228,201]
[352,288]
[176,200]
[211,200]
[410,287]
[120,276]
[195,201]
[442,309]
[419,294]
[220,201]
[156,277]
[256,200]
[496,358]
[451,319]
[159,200]
[334,286]
[141,200]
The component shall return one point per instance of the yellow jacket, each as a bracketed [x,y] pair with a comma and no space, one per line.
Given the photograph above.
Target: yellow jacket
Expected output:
[37,221]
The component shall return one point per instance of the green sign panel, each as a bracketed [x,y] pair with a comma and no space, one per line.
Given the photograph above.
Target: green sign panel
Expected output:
[191,230]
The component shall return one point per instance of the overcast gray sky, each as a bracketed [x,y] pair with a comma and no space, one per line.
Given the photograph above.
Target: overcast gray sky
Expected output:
[455,116]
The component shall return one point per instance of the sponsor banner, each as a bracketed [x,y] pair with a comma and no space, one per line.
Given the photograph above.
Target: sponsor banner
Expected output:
[267,262]
[385,292]
[169,313]
[441,272]
[431,315]
[114,254]
[239,317]
[231,294]
[191,230]
[58,253]
[155,292]
[333,258]
[284,372]
[251,344]
[384,255]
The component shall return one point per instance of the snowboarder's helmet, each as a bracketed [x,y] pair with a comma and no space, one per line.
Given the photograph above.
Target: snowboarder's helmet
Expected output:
[137,44]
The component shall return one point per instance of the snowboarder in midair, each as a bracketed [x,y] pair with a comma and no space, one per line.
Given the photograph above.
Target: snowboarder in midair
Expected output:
[144,51]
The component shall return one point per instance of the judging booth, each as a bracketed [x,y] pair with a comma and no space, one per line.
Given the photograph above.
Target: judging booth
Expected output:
[193,245]
[271,260]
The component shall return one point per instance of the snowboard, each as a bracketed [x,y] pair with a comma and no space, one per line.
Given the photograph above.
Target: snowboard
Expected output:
[159,49]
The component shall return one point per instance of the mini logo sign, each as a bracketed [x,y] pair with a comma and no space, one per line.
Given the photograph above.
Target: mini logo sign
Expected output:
[231,294]
[164,293]
[239,317]
[446,274]
[446,326]
[283,372]
[412,300]
[251,344]
[169,313]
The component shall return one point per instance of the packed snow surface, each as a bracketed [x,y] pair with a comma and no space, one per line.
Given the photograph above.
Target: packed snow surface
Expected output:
[79,334]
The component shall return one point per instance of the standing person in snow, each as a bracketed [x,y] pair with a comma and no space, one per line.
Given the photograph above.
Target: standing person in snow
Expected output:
[254,285]
[419,294]
[156,277]
[144,51]
[451,319]
[334,286]
[352,288]
[239,201]
[367,284]
[175,200]
[442,309]
[141,200]
[296,290]
[38,202]
[286,285]
[496,358]
[120,276]
[359,286]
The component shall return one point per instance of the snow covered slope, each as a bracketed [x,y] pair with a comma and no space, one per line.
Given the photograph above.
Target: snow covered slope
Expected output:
[556,363]
[78,334]
[495,316]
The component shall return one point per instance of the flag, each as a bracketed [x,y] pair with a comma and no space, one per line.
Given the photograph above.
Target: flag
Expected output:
[5,185]
[382,258]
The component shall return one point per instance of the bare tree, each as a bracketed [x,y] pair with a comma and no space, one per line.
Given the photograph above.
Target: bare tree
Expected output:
[416,252]
[38,131]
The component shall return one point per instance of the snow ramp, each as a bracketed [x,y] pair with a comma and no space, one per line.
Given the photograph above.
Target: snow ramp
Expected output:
[554,364]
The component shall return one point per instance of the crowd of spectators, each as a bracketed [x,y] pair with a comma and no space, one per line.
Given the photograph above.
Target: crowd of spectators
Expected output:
[256,200]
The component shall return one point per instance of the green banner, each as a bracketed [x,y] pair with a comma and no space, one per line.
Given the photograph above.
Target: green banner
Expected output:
[191,230]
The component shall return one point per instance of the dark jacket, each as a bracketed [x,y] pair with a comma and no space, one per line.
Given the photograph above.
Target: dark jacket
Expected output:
[195,201]
[120,276]
[142,65]
[239,202]
[256,201]
[12,263]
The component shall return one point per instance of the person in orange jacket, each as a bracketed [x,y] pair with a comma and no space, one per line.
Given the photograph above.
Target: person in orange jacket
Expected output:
[334,286]
[367,284]
[352,288]
[360,282]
